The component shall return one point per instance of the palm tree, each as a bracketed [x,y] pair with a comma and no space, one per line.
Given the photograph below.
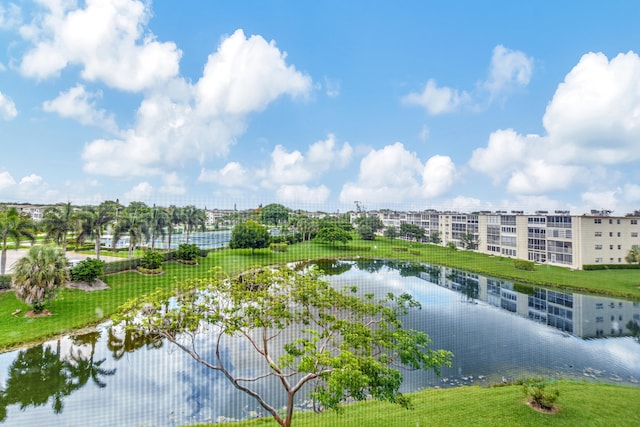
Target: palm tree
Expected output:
[57,222]
[158,220]
[13,226]
[193,218]
[94,220]
[174,215]
[634,255]
[135,224]
[37,275]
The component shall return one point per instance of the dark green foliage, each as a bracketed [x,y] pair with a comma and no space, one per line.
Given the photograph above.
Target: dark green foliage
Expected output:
[411,231]
[152,260]
[332,233]
[435,237]
[274,214]
[594,267]
[522,264]
[188,252]
[391,232]
[5,281]
[87,270]
[279,247]
[469,241]
[368,225]
[452,246]
[634,328]
[365,232]
[541,396]
[249,234]
[124,265]
[524,289]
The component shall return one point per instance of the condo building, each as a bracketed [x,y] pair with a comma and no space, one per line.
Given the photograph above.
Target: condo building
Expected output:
[556,238]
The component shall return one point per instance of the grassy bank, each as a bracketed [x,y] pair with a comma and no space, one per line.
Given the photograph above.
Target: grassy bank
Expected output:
[581,404]
[73,309]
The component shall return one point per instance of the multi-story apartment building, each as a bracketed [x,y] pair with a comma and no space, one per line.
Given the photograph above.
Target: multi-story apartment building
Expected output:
[557,238]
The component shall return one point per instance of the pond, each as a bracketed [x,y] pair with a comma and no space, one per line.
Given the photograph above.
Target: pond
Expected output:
[497,331]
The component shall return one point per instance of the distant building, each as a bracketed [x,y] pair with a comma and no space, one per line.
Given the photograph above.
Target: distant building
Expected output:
[557,238]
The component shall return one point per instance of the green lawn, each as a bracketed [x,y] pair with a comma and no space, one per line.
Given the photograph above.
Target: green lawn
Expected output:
[581,404]
[74,309]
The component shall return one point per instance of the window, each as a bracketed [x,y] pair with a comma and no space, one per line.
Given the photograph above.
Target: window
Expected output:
[617,221]
[634,234]
[599,305]
[611,234]
[619,247]
[599,319]
[613,318]
[598,233]
[598,260]
[598,247]
[610,221]
[618,234]
[610,247]
[597,220]
[634,222]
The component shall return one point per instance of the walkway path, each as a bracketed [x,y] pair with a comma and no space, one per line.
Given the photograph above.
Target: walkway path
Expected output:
[14,255]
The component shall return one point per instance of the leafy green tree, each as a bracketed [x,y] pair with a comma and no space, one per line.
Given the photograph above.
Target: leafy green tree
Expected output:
[469,241]
[307,227]
[87,270]
[37,275]
[333,233]
[134,222]
[249,234]
[634,328]
[411,231]
[13,226]
[452,246]
[435,237]
[193,219]
[174,218]
[94,220]
[188,252]
[58,222]
[158,222]
[391,232]
[633,257]
[302,330]
[371,225]
[275,214]
[152,260]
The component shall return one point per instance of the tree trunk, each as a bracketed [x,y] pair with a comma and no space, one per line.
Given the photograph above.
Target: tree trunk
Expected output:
[97,247]
[3,259]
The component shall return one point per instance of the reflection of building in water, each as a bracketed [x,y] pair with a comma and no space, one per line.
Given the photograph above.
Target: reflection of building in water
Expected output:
[585,316]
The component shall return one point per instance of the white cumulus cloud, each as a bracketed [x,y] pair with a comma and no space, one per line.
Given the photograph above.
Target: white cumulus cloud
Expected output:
[6,180]
[8,110]
[437,100]
[302,194]
[10,16]
[106,38]
[394,175]
[182,122]
[141,192]
[509,69]
[80,105]
[233,174]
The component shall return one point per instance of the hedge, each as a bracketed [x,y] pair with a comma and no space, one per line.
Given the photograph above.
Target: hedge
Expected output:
[124,265]
[5,281]
[611,267]
[522,264]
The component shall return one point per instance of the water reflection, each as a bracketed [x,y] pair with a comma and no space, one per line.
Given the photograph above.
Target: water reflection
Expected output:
[113,378]
[46,374]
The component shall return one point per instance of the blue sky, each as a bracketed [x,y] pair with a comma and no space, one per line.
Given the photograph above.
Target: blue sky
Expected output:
[459,105]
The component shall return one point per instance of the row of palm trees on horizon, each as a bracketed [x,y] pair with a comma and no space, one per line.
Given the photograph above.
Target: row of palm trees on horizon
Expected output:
[60,223]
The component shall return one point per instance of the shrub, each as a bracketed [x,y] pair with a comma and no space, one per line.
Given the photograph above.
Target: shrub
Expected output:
[522,264]
[152,260]
[539,395]
[524,289]
[278,247]
[188,252]
[611,267]
[87,270]
[124,265]
[149,271]
[278,239]
[5,281]
[399,249]
[416,253]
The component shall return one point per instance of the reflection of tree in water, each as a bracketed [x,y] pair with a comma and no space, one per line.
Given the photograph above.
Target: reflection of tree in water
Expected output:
[120,342]
[333,267]
[465,285]
[39,374]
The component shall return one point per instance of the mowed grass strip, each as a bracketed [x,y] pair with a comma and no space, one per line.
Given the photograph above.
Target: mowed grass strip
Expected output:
[74,309]
[581,404]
